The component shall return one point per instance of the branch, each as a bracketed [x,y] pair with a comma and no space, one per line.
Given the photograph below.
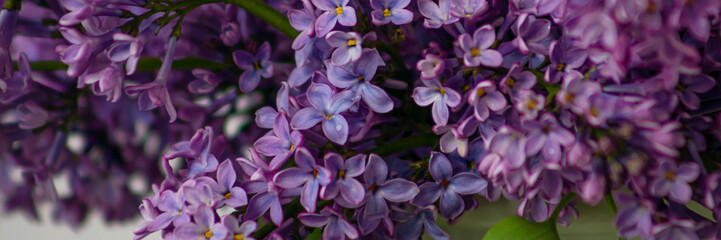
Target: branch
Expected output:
[267,14]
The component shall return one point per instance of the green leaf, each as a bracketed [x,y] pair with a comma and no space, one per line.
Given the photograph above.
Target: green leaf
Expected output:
[519,229]
[315,235]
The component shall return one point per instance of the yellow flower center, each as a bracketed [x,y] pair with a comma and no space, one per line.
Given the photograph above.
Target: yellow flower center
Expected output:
[228,195]
[560,67]
[338,10]
[569,97]
[386,12]
[475,52]
[480,92]
[341,173]
[670,175]
[208,234]
[257,65]
[328,116]
[442,91]
[510,82]
[531,104]
[315,172]
[468,15]
[680,87]
[351,42]
[361,78]
[292,146]
[593,111]
[238,236]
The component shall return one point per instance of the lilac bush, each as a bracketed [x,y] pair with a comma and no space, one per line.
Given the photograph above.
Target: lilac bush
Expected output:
[335,119]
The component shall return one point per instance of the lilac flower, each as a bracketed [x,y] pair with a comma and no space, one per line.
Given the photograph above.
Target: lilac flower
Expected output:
[549,136]
[232,195]
[477,49]
[254,67]
[336,226]
[599,110]
[172,206]
[8,21]
[469,9]
[673,181]
[205,83]
[436,15]
[563,59]
[343,185]
[203,226]
[694,15]
[348,46]
[484,98]
[410,225]
[575,91]
[83,49]
[510,145]
[282,143]
[326,108]
[357,80]
[128,48]
[447,187]
[106,82]
[528,103]
[83,10]
[440,96]
[198,151]
[32,115]
[516,80]
[335,11]
[243,231]
[386,11]
[308,174]
[676,228]
[431,66]
[267,199]
[690,86]
[155,93]
[199,192]
[304,21]
[381,190]
[530,32]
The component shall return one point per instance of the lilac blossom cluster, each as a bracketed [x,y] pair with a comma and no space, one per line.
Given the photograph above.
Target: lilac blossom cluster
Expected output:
[371,119]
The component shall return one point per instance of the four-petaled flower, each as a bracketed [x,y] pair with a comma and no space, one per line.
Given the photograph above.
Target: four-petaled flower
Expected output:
[477,49]
[344,188]
[673,181]
[440,96]
[386,11]
[326,109]
[357,79]
[335,11]
[254,66]
[336,226]
[307,174]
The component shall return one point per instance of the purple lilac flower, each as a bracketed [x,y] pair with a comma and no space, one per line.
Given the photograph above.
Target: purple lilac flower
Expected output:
[440,96]
[343,186]
[516,80]
[386,11]
[205,81]
[335,226]
[530,32]
[155,93]
[326,108]
[357,80]
[381,190]
[348,46]
[675,228]
[127,48]
[695,16]
[547,136]
[8,20]
[282,143]
[410,225]
[468,9]
[484,98]
[673,181]
[307,174]
[254,67]
[436,15]
[529,104]
[203,226]
[431,66]
[173,208]
[477,49]
[563,59]
[690,86]
[83,49]
[335,11]
[231,194]
[236,231]
[447,187]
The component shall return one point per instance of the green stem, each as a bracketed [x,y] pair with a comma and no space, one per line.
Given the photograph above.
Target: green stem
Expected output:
[407,143]
[562,204]
[611,203]
[267,14]
[144,64]
[12,5]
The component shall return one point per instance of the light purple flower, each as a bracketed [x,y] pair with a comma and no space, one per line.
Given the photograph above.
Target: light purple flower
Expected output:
[343,185]
[304,21]
[282,143]
[447,187]
[335,11]
[675,228]
[326,109]
[440,96]
[173,208]
[431,66]
[386,11]
[634,216]
[203,226]
[348,46]
[563,59]
[155,93]
[673,181]
[357,80]
[469,9]
[476,50]
[547,135]
[529,104]
[307,174]
[529,33]
[243,231]
[127,48]
[436,15]
[510,145]
[484,98]
[83,50]
[410,225]
[32,115]
[254,66]
[267,199]
[335,225]
[231,194]
[381,190]
[516,80]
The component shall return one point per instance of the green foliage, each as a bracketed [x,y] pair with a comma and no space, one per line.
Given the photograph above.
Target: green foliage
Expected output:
[519,229]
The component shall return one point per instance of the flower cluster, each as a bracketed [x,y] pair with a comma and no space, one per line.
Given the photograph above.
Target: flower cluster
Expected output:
[371,117]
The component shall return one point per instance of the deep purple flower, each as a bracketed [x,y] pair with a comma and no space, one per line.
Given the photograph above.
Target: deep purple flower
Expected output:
[335,225]
[386,11]
[243,231]
[32,115]
[231,194]
[326,108]
[410,225]
[254,66]
[440,96]
[477,49]
[469,9]
[357,79]
[695,16]
[447,187]
[692,85]
[381,190]
[267,199]
[155,93]
[563,59]
[203,226]
[304,21]
[335,11]
[484,98]
[530,32]
[673,181]
[516,80]
[282,143]
[127,48]
[307,174]
[343,185]
[675,228]
[549,136]
[436,15]
[198,151]
[205,81]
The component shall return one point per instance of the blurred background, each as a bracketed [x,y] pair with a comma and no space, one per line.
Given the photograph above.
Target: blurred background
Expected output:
[593,223]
